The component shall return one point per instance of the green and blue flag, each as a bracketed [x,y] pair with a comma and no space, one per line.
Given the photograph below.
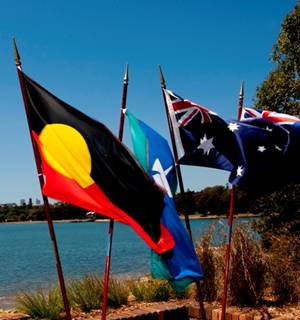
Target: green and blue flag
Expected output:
[152,151]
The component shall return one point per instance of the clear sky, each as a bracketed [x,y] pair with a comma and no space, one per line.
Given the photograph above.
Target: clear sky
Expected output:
[78,51]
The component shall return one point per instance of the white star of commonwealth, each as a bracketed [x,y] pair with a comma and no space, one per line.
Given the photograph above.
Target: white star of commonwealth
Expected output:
[206,144]
[239,171]
[233,126]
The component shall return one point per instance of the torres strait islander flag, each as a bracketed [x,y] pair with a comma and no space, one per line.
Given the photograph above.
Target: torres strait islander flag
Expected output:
[181,265]
[84,164]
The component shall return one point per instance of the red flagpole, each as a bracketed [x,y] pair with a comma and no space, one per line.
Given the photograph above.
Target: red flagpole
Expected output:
[111,222]
[230,220]
[45,199]
[180,181]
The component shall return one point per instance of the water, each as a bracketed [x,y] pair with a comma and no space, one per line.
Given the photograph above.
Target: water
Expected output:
[27,261]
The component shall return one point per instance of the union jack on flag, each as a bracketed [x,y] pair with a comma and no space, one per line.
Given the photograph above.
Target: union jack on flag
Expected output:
[253,149]
[199,134]
[272,116]
[185,110]
[288,166]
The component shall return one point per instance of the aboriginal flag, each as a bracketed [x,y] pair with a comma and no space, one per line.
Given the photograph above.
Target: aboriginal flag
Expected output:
[84,164]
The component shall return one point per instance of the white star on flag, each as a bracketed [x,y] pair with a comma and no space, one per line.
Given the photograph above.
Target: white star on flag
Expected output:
[269,129]
[161,176]
[233,126]
[261,149]
[278,148]
[206,144]
[239,171]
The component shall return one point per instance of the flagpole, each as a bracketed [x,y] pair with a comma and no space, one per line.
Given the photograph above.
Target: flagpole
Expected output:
[230,221]
[42,182]
[180,181]
[111,222]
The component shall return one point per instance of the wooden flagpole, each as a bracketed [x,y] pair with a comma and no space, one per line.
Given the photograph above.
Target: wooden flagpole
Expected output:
[111,222]
[230,221]
[180,182]
[41,181]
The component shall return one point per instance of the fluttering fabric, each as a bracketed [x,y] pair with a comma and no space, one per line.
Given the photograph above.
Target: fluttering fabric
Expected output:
[256,152]
[86,165]
[181,266]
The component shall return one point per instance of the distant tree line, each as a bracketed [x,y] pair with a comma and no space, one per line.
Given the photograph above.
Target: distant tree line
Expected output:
[280,205]
[214,201]
[58,211]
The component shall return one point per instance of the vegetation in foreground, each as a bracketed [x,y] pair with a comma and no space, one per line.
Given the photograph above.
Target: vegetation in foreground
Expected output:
[270,266]
[86,295]
[259,276]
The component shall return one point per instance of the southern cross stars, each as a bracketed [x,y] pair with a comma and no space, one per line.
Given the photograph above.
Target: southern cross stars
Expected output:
[206,144]
[261,149]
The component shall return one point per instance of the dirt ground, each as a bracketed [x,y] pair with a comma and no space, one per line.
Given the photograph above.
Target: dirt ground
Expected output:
[287,312]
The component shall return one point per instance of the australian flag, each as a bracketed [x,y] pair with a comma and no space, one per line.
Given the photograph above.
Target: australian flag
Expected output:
[287,171]
[202,137]
[252,151]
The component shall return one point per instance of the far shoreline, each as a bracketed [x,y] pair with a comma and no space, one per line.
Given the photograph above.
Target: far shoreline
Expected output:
[191,217]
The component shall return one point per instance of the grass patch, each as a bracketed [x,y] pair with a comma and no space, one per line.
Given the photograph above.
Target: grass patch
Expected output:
[85,294]
[41,305]
[152,290]
[118,292]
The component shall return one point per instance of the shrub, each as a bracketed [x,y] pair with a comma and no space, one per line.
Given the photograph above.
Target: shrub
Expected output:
[247,268]
[118,293]
[138,289]
[86,294]
[152,290]
[212,262]
[158,290]
[283,260]
[39,305]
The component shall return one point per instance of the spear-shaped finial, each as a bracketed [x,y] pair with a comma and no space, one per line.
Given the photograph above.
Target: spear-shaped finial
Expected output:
[162,79]
[16,54]
[125,80]
[242,89]
[241,101]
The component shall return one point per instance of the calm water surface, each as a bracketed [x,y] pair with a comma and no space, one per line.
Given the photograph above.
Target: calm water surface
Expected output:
[27,262]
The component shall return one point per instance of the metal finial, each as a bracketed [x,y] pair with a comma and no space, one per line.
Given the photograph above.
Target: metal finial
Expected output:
[162,79]
[16,54]
[126,74]
[242,89]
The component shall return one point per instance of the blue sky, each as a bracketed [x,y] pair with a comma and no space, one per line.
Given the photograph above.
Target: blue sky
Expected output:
[78,51]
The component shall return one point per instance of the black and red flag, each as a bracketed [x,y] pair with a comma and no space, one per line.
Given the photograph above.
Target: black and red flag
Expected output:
[86,165]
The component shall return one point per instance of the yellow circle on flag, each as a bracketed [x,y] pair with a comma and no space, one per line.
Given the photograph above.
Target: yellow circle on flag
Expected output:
[66,151]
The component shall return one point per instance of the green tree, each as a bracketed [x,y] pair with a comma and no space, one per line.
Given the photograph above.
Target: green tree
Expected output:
[281,90]
[280,212]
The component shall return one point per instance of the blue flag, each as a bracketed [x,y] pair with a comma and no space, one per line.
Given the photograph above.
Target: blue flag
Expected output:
[154,154]
[286,170]
[256,152]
